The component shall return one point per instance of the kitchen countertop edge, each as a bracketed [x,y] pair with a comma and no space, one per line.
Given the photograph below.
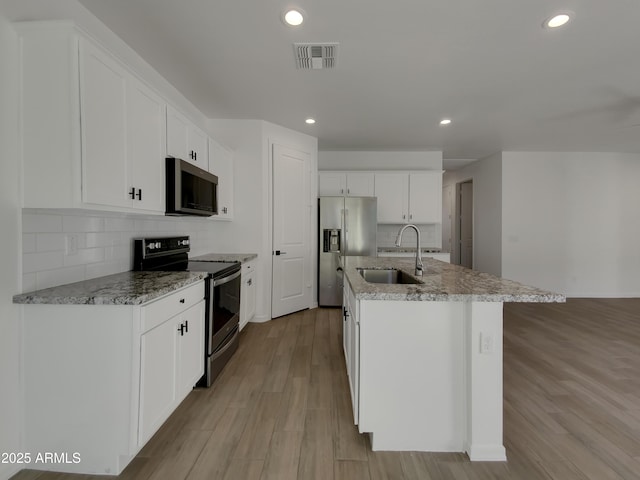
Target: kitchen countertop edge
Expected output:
[225,257]
[126,288]
[442,282]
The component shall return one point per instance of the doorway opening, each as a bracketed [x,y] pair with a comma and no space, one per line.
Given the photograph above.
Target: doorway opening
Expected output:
[464,224]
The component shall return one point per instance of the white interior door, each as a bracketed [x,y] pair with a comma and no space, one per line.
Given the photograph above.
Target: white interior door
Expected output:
[291,289]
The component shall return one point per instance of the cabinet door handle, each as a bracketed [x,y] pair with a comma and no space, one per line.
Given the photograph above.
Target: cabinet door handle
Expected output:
[182,300]
[186,326]
[404,217]
[249,282]
[139,194]
[181,330]
[410,216]
[224,209]
[132,193]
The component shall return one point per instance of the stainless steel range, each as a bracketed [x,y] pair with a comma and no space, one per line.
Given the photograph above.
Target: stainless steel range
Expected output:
[222,293]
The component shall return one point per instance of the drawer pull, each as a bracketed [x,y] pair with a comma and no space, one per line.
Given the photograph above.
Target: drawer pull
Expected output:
[182,300]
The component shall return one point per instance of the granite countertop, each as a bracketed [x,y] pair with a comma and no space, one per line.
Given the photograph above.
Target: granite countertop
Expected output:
[225,257]
[127,288]
[409,250]
[441,282]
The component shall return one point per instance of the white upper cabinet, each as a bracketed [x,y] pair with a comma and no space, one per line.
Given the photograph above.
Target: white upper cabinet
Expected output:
[332,183]
[185,140]
[93,134]
[425,197]
[360,184]
[221,165]
[351,184]
[146,147]
[409,197]
[392,191]
[103,110]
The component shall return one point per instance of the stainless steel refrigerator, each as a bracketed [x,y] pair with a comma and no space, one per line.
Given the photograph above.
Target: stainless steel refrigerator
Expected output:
[347,226]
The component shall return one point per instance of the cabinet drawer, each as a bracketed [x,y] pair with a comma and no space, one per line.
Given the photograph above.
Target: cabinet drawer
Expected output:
[247,268]
[163,309]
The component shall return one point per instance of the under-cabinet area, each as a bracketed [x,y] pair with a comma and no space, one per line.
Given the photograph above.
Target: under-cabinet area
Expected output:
[113,366]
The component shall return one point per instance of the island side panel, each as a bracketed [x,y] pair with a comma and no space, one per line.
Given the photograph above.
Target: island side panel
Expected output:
[483,331]
[412,382]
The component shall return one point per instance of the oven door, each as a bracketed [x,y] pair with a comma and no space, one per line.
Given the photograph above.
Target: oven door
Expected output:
[224,295]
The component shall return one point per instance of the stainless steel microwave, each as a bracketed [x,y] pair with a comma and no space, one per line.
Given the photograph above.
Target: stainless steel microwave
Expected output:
[190,190]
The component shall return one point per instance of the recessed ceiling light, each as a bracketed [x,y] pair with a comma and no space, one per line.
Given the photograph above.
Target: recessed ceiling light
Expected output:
[310,121]
[293,17]
[557,20]
[445,121]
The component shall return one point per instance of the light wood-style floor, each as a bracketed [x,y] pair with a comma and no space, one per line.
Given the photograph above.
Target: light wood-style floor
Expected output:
[281,408]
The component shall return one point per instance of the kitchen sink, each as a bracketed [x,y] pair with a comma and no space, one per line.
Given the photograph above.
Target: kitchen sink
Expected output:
[386,275]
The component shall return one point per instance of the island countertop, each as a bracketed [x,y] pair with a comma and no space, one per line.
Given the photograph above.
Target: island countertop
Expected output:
[440,282]
[126,288]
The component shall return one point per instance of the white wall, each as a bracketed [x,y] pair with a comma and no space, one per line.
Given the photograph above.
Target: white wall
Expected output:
[250,231]
[359,160]
[487,211]
[10,404]
[571,222]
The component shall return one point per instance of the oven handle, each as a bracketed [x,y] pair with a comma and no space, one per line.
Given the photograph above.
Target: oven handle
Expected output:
[227,279]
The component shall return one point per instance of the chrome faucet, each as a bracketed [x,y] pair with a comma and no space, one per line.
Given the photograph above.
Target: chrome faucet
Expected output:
[419,266]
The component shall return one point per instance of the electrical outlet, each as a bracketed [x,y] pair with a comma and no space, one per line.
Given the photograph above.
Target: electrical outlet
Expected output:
[71,244]
[486,343]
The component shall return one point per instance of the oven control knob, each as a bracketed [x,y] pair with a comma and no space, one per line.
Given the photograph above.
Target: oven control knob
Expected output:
[185,242]
[151,246]
[158,244]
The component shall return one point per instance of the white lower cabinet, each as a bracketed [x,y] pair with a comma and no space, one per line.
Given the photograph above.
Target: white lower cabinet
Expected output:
[171,363]
[351,345]
[247,293]
[100,380]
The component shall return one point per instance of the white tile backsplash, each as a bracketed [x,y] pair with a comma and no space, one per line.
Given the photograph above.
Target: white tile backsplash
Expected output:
[35,223]
[51,278]
[429,236]
[35,262]
[48,242]
[104,241]
[28,242]
[81,223]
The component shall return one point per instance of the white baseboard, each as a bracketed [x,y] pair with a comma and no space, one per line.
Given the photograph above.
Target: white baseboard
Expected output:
[487,453]
[8,470]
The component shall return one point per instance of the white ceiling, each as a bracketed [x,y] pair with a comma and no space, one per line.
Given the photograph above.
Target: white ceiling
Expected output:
[507,83]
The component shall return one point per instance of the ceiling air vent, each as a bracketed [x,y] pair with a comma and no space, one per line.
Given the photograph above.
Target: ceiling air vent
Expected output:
[314,56]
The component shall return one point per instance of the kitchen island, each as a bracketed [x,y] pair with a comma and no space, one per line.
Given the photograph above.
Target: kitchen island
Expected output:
[424,359]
